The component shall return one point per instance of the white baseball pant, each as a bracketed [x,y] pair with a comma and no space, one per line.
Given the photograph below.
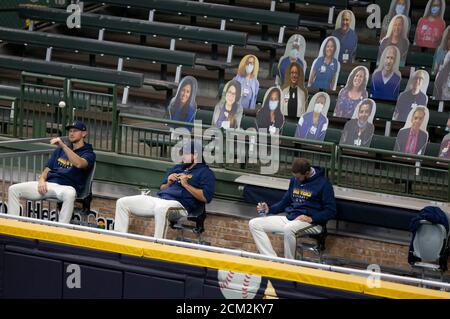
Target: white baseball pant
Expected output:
[259,227]
[144,205]
[29,190]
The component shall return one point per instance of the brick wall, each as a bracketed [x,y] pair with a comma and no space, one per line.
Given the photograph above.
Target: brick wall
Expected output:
[232,232]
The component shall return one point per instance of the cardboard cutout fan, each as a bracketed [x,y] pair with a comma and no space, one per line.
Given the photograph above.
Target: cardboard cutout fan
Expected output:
[247,75]
[313,124]
[325,69]
[359,130]
[413,137]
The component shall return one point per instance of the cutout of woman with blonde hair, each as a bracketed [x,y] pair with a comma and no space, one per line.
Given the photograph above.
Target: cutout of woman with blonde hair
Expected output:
[359,130]
[228,112]
[326,67]
[248,77]
[397,35]
[431,26]
[397,7]
[354,92]
[294,93]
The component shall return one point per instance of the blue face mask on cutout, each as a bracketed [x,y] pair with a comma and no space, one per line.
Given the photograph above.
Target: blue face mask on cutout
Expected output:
[273,105]
[400,9]
[435,10]
[249,68]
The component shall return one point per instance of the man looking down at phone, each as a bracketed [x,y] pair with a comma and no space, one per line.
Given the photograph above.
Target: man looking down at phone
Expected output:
[186,186]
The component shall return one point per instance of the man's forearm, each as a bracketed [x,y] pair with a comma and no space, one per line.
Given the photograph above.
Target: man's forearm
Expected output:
[196,192]
[165,186]
[76,160]
[44,174]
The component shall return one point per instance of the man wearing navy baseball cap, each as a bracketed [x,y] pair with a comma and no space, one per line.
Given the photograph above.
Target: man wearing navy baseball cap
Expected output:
[78,125]
[64,175]
[185,187]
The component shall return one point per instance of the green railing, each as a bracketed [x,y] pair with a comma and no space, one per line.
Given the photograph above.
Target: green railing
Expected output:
[95,104]
[7,108]
[153,138]
[39,114]
[393,172]
[22,166]
[347,166]
[148,137]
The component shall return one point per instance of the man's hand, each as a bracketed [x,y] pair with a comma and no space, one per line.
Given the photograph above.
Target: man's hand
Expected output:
[42,186]
[57,141]
[304,218]
[183,179]
[172,178]
[262,206]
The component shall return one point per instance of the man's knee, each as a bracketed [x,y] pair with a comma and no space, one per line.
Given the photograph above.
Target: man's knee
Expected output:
[174,214]
[69,194]
[121,202]
[254,224]
[13,189]
[293,228]
[288,231]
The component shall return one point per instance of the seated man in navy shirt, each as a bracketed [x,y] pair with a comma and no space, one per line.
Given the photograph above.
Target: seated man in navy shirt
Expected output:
[64,176]
[186,186]
[308,204]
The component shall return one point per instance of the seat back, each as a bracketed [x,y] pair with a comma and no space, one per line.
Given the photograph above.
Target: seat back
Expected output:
[86,191]
[428,242]
[321,237]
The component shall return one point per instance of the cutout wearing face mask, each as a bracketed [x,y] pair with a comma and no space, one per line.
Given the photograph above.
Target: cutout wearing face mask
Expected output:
[249,68]
[273,105]
[435,10]
[318,107]
[294,54]
[400,9]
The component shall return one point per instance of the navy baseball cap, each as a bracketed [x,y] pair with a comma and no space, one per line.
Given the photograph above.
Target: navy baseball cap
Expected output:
[78,125]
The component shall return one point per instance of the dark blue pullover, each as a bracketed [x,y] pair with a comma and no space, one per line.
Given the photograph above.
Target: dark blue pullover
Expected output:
[314,197]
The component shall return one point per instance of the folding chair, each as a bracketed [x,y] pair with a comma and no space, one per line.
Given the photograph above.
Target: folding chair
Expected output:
[318,247]
[430,248]
[197,216]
